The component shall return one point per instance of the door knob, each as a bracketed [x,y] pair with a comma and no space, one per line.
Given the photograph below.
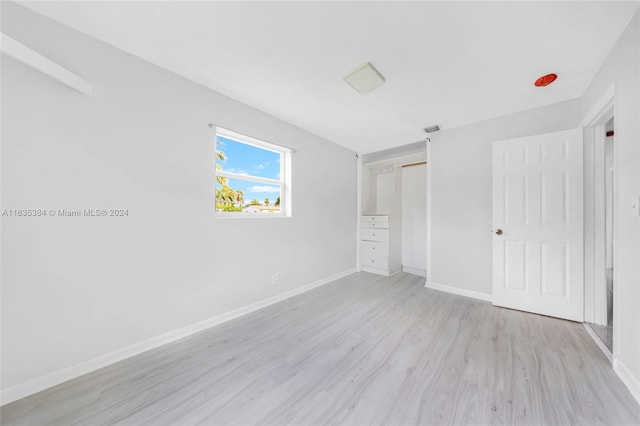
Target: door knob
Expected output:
[498,231]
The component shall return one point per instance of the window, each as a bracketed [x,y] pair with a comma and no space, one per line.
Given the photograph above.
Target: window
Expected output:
[251,177]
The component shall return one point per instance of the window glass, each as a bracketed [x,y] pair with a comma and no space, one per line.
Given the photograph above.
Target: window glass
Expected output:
[248,160]
[246,196]
[249,174]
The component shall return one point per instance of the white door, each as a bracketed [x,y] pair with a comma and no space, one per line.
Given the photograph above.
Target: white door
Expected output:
[538,224]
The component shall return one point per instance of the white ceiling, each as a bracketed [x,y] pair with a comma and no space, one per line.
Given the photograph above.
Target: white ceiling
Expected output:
[450,63]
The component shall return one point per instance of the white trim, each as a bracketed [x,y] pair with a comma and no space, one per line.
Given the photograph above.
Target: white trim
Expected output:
[250,178]
[414,271]
[589,223]
[599,269]
[41,63]
[41,383]
[605,350]
[428,236]
[247,215]
[594,213]
[600,109]
[627,377]
[595,277]
[358,208]
[459,291]
[250,140]
[379,271]
[398,161]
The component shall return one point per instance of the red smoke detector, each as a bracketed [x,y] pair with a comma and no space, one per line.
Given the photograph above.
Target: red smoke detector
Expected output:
[546,80]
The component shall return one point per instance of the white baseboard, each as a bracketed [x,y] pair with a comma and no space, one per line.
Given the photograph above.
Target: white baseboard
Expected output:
[415,271]
[459,291]
[379,271]
[627,377]
[605,350]
[44,382]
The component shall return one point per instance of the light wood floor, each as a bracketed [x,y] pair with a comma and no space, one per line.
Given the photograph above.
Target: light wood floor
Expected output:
[363,350]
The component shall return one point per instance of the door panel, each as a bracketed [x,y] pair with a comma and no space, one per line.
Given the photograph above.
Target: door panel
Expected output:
[553,198]
[554,268]
[515,199]
[515,265]
[537,203]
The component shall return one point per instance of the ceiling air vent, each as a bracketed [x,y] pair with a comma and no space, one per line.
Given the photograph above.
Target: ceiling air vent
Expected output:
[364,78]
[432,129]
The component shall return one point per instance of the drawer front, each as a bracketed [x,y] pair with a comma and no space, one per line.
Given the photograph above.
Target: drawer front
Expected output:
[374,260]
[373,234]
[376,225]
[375,222]
[374,249]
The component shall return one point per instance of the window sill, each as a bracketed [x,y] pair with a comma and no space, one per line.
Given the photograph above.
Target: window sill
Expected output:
[251,216]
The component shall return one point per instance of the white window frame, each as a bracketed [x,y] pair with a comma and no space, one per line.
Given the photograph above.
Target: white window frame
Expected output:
[285,175]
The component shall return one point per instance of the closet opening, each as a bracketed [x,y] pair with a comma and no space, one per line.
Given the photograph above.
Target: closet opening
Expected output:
[393,214]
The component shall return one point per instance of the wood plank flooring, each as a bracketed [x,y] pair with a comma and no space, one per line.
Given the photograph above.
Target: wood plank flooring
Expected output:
[362,350]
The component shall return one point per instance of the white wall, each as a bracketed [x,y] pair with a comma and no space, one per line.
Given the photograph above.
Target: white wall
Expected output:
[622,68]
[74,289]
[461,232]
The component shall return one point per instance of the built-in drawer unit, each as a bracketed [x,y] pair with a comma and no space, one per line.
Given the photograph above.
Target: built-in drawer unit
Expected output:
[374,254]
[373,234]
[374,244]
[375,222]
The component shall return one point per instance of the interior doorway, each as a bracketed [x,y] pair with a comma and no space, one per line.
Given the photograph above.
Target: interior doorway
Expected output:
[601,206]
[603,326]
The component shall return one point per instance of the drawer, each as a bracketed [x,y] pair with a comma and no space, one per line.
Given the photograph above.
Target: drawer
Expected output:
[373,234]
[374,260]
[375,222]
[374,248]
[376,225]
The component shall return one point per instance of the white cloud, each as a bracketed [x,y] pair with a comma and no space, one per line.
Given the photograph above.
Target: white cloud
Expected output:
[258,188]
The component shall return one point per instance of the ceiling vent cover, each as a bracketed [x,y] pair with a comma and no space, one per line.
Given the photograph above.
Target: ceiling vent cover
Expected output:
[432,129]
[364,78]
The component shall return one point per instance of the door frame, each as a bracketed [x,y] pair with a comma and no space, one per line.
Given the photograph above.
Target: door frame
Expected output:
[594,214]
[428,236]
[397,160]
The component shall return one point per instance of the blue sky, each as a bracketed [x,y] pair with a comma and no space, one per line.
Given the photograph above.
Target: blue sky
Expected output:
[249,160]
